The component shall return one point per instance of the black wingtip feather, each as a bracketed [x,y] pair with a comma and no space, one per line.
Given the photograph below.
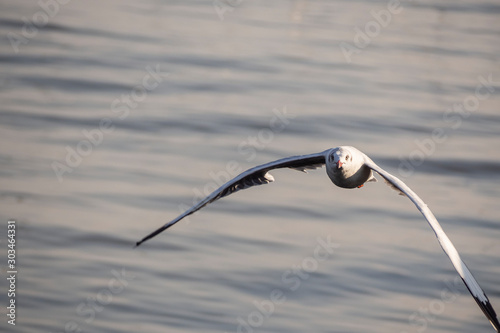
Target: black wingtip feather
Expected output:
[487,309]
[154,233]
[489,312]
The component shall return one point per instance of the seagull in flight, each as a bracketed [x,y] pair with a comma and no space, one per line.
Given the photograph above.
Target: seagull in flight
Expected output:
[347,167]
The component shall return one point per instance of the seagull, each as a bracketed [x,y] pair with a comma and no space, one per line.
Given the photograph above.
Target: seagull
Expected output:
[347,167]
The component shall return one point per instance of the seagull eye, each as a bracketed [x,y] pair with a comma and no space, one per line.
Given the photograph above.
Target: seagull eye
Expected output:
[346,157]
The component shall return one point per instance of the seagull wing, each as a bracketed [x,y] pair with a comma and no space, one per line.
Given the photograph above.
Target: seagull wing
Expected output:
[255,176]
[469,280]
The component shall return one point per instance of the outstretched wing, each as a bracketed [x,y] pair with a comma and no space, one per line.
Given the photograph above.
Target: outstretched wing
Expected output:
[448,247]
[255,176]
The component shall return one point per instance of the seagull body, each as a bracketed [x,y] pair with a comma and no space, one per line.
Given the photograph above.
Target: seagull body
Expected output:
[347,167]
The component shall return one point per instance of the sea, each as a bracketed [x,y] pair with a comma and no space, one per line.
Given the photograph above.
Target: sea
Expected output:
[116,116]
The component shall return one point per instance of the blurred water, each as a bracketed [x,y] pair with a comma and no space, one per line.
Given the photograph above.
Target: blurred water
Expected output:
[220,85]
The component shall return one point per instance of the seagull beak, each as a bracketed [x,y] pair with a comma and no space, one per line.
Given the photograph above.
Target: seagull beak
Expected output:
[339,164]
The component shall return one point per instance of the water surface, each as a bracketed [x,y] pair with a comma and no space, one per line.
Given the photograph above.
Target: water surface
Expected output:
[268,81]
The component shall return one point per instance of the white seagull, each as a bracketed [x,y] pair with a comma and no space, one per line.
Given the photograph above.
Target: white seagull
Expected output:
[347,167]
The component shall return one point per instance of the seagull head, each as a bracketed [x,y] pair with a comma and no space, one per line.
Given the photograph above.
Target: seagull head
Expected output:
[341,157]
[345,165]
